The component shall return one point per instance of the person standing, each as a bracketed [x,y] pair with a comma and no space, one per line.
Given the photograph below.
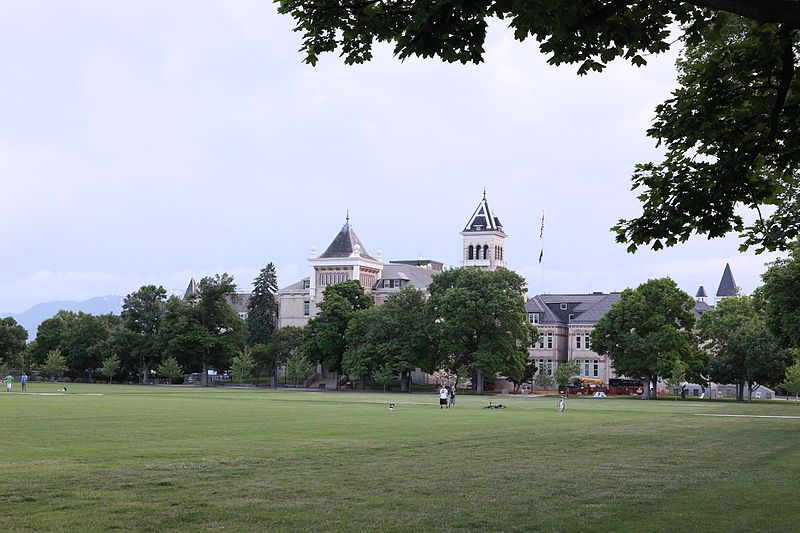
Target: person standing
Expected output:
[443,397]
[452,397]
[24,381]
[9,381]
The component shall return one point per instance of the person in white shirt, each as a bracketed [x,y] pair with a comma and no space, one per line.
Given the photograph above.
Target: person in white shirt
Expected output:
[443,397]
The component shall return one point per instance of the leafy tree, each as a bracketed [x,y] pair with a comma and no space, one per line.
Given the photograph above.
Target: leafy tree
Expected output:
[170,369]
[243,365]
[222,330]
[396,336]
[86,343]
[262,316]
[730,129]
[325,333]
[182,335]
[52,335]
[647,330]
[205,331]
[299,368]
[481,321]
[677,377]
[791,383]
[286,342]
[751,357]
[384,375]
[567,371]
[528,372]
[54,365]
[543,380]
[142,312]
[110,366]
[717,325]
[12,341]
[782,298]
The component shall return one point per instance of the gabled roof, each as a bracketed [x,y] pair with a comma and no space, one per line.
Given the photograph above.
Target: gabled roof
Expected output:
[700,308]
[586,309]
[701,293]
[483,219]
[344,243]
[192,290]
[727,287]
[419,277]
[297,286]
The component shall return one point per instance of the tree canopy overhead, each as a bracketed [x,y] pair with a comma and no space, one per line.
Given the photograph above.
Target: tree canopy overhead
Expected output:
[730,130]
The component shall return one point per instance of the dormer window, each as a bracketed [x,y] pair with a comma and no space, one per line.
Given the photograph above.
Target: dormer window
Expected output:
[571,317]
[306,284]
[533,318]
[563,307]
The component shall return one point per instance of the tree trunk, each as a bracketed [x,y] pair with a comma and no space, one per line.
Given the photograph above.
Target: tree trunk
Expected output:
[646,389]
[479,379]
[404,381]
[654,383]
[749,392]
[336,377]
[204,379]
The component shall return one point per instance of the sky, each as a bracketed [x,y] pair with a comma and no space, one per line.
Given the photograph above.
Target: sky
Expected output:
[149,142]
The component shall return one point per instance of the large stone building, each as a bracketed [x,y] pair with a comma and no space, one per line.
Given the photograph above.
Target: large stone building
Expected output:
[564,321]
[345,259]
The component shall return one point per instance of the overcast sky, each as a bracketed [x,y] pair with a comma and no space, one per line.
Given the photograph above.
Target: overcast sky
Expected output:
[149,141]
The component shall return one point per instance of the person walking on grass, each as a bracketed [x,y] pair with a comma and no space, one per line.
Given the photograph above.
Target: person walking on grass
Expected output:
[9,381]
[452,397]
[443,393]
[24,381]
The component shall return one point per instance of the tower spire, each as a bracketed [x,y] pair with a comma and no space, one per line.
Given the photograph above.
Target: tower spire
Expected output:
[347,218]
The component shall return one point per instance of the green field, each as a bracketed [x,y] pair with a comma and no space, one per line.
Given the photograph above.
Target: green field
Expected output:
[160,458]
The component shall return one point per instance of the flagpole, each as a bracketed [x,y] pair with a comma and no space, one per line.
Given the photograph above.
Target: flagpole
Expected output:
[541,252]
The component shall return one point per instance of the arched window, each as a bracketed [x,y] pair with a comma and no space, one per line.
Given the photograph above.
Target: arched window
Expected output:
[470,252]
[485,251]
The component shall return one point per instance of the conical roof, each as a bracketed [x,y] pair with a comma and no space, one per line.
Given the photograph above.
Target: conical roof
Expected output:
[701,293]
[483,219]
[192,290]
[344,244]
[727,287]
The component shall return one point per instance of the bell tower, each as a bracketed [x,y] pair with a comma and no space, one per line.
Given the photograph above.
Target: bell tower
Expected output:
[484,239]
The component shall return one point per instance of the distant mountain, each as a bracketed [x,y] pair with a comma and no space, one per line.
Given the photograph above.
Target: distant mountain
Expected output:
[30,319]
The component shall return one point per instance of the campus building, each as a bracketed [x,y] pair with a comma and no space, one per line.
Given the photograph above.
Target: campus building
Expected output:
[564,321]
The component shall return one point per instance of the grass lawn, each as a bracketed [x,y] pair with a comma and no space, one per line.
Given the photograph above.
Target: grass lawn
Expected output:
[160,458]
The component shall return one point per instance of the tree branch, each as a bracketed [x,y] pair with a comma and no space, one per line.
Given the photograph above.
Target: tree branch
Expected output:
[787,74]
[601,15]
[766,11]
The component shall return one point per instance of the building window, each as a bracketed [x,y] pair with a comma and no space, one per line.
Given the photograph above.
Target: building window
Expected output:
[596,368]
[586,368]
[571,316]
[587,341]
[578,341]
[563,307]
[470,252]
[540,344]
[306,284]
[306,308]
[533,318]
[549,341]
